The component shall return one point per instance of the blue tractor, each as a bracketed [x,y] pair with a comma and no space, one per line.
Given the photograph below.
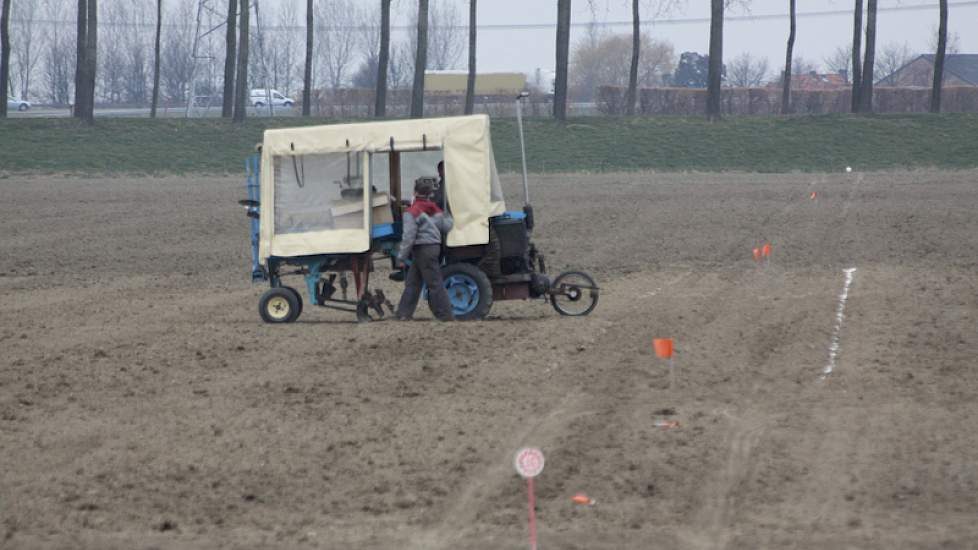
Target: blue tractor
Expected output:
[326,204]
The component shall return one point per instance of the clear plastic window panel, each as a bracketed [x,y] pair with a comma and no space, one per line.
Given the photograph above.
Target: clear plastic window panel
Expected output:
[418,164]
[318,192]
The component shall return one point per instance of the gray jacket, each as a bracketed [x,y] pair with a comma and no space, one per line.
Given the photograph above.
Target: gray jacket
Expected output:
[424,229]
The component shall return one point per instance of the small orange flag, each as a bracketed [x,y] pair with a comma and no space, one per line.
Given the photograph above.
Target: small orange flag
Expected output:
[766,250]
[581,498]
[663,347]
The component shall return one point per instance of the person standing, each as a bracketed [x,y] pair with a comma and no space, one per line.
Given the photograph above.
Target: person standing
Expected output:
[439,196]
[425,224]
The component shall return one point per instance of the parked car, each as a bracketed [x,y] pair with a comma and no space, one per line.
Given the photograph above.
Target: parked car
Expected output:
[261,97]
[19,104]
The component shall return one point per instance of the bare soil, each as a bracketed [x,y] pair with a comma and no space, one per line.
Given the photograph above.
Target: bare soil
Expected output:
[143,403]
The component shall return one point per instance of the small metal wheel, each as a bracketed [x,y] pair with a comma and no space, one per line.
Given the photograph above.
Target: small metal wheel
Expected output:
[280,305]
[574,293]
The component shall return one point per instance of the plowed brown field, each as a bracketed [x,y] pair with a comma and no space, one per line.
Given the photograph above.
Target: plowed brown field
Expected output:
[143,404]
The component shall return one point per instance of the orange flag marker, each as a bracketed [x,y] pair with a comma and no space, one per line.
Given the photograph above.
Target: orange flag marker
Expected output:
[663,347]
[766,250]
[757,254]
[581,498]
[814,195]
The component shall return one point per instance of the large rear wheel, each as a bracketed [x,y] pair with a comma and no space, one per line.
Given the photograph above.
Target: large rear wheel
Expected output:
[574,293]
[469,291]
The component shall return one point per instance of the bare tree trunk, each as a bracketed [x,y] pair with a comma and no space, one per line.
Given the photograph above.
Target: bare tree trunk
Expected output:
[91,57]
[81,65]
[716,61]
[420,61]
[866,90]
[380,96]
[242,94]
[632,93]
[307,75]
[786,92]
[857,61]
[156,61]
[563,56]
[4,56]
[470,84]
[230,53]
[935,95]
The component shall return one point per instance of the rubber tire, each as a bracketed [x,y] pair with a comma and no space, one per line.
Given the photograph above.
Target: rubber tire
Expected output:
[22,107]
[259,105]
[298,297]
[287,104]
[481,281]
[290,296]
[595,295]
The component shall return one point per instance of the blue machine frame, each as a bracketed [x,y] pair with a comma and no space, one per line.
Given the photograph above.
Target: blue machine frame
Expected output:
[253,170]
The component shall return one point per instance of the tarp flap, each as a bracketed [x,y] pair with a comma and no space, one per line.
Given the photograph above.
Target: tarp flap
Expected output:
[467,177]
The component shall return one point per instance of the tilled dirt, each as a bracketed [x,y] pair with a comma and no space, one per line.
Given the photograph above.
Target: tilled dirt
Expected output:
[143,403]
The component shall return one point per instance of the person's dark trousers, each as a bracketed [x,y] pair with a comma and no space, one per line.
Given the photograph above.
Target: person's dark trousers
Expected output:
[425,268]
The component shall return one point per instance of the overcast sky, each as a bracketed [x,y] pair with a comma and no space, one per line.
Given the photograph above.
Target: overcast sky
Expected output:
[502,47]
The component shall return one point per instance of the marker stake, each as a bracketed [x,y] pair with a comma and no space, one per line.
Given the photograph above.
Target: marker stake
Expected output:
[663,350]
[672,374]
[531,509]
[529,463]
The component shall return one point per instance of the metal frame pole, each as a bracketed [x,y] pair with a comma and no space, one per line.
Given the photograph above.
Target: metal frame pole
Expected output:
[519,122]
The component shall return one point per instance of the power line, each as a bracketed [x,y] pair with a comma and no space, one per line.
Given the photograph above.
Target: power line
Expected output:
[547,26]
[735,18]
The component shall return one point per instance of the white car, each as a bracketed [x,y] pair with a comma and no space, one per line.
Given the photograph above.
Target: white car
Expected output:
[19,104]
[261,97]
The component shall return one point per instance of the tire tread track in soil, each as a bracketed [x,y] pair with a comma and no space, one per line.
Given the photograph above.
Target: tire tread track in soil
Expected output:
[715,520]
[464,507]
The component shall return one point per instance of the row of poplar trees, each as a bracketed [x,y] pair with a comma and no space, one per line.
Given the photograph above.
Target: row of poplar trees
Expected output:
[862,82]
[862,86]
[83,106]
[237,95]
[237,87]
[862,65]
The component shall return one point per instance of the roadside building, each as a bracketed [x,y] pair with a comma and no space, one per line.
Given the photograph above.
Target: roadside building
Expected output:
[486,84]
[813,81]
[959,70]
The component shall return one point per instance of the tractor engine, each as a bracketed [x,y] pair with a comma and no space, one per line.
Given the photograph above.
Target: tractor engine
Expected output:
[514,245]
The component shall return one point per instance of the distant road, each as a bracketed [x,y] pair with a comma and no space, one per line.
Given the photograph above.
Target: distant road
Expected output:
[143,112]
[576,109]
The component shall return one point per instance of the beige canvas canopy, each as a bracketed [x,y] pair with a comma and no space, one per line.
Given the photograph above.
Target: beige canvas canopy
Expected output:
[322,187]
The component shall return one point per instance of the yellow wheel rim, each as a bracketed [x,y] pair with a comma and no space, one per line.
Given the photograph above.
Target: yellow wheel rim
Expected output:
[278,308]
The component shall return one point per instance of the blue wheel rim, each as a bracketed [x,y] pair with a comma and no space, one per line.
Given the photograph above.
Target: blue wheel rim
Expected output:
[463,293]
